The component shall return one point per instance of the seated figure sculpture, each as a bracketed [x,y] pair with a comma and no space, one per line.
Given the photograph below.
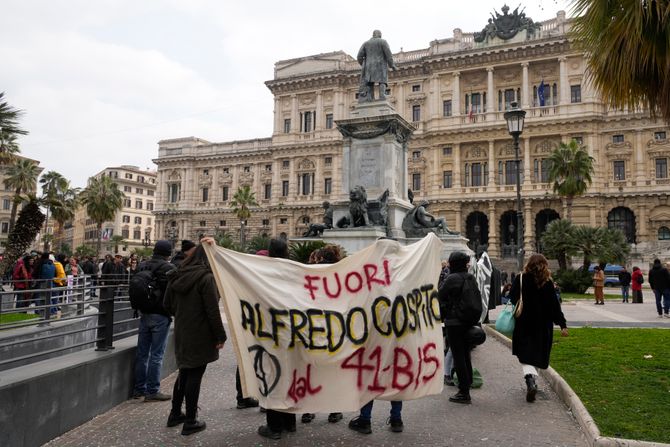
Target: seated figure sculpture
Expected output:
[316,229]
[418,222]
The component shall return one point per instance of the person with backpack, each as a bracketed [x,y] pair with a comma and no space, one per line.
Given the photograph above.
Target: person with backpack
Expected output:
[146,291]
[533,333]
[461,308]
[636,284]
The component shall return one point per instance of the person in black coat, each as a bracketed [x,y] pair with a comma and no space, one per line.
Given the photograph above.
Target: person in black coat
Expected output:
[659,281]
[624,280]
[459,343]
[534,329]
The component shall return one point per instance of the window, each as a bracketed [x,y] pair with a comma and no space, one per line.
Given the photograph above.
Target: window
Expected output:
[150,192]
[205,194]
[329,120]
[113,174]
[5,227]
[138,220]
[446,108]
[510,96]
[416,88]
[307,121]
[327,186]
[541,170]
[268,191]
[127,203]
[510,172]
[266,222]
[416,182]
[663,233]
[623,219]
[579,140]
[287,125]
[575,93]
[225,193]
[659,136]
[306,180]
[619,167]
[446,151]
[137,234]
[140,178]
[150,206]
[268,168]
[222,223]
[173,193]
[446,179]
[127,189]
[328,161]
[226,170]
[284,188]
[129,175]
[138,204]
[125,233]
[285,164]
[125,219]
[475,103]
[205,172]
[139,191]
[305,219]
[416,155]
[476,174]
[6,204]
[203,223]
[617,139]
[416,113]
[283,220]
[661,168]
[247,169]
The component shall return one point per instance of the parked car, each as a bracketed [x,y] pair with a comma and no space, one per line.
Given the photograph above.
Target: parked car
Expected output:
[611,274]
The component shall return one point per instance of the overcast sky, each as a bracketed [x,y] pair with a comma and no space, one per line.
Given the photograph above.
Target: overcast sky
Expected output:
[102,81]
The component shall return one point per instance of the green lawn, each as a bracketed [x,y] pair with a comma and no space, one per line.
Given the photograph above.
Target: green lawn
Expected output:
[587,296]
[14,317]
[627,395]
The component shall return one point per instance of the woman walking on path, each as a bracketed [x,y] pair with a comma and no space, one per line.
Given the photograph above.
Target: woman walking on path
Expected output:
[192,298]
[534,329]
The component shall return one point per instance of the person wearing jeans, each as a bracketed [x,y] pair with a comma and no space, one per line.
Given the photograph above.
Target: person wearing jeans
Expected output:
[624,279]
[659,280]
[151,341]
[362,424]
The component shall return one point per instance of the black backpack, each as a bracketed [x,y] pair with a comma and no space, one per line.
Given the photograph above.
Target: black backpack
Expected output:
[144,290]
[469,308]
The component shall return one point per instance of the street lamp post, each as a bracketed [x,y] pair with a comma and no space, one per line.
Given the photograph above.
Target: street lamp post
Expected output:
[515,120]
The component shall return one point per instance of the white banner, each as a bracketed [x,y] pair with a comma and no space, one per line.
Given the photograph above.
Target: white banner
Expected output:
[332,337]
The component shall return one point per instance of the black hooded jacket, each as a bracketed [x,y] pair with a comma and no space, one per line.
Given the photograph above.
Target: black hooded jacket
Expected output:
[161,268]
[659,277]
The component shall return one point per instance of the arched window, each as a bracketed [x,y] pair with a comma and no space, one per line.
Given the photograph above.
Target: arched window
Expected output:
[664,234]
[623,219]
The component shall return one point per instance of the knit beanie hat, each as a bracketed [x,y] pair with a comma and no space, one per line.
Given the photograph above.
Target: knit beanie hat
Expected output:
[186,245]
[163,248]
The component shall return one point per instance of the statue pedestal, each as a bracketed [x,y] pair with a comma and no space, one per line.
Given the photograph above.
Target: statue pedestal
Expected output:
[451,242]
[354,239]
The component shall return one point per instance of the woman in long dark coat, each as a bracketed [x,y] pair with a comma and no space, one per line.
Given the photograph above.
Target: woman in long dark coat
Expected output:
[193,299]
[534,330]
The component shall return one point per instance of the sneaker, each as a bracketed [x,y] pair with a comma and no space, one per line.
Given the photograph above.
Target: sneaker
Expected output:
[460,398]
[531,388]
[334,417]
[396,425]
[137,395]
[267,432]
[448,381]
[176,419]
[660,315]
[307,418]
[247,402]
[360,425]
[157,397]
[666,315]
[193,427]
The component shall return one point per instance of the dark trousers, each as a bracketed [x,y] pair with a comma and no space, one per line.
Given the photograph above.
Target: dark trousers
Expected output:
[238,385]
[187,387]
[460,348]
[278,420]
[637,296]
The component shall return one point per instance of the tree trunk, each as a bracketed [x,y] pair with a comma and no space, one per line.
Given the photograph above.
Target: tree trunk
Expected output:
[99,226]
[587,262]
[568,202]
[46,228]
[562,261]
[15,206]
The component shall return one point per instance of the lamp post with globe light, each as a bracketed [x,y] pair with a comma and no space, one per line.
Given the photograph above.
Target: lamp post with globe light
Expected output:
[515,120]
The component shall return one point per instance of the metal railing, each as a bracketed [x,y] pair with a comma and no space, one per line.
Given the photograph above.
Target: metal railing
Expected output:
[39,319]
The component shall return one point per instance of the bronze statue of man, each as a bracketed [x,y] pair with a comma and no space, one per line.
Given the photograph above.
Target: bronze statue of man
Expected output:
[375,58]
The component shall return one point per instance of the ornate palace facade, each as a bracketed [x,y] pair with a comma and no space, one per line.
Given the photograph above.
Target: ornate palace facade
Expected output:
[460,158]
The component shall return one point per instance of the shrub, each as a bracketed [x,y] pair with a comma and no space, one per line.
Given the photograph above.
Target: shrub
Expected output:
[573,281]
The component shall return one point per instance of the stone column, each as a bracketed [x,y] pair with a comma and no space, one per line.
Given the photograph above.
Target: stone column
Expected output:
[456,95]
[319,117]
[638,157]
[490,92]
[528,228]
[494,242]
[564,94]
[278,123]
[295,117]
[292,191]
[337,104]
[492,162]
[435,96]
[642,222]
[457,166]
[459,219]
[525,93]
[526,162]
[400,103]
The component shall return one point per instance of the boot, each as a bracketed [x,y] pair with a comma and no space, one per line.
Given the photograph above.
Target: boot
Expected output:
[193,426]
[531,388]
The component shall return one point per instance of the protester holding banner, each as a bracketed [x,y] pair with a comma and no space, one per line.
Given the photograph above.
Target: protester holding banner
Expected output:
[276,421]
[193,299]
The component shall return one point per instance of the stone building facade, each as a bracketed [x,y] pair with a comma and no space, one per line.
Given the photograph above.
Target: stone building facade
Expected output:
[134,222]
[460,158]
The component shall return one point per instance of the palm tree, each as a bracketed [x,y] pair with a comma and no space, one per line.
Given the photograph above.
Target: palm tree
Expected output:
[637,32]
[8,147]
[52,184]
[117,240]
[558,241]
[103,199]
[589,241]
[22,178]
[64,207]
[9,118]
[614,248]
[242,200]
[28,224]
[570,171]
